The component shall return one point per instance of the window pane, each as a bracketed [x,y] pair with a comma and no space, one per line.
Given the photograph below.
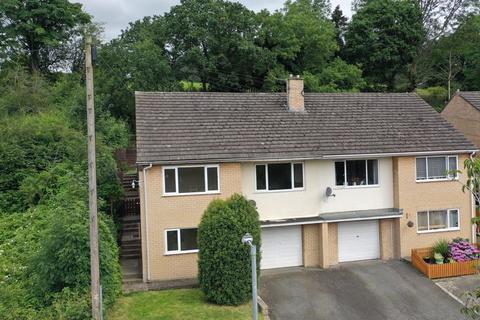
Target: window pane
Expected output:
[339,173]
[261,179]
[372,171]
[188,239]
[298,175]
[356,173]
[172,240]
[452,165]
[438,219]
[212,176]
[453,218]
[170,180]
[437,168]
[279,176]
[191,179]
[422,221]
[421,168]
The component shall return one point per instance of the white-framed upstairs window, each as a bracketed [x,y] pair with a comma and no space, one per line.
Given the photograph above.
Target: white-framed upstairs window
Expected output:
[438,220]
[436,168]
[194,179]
[181,241]
[356,173]
[283,176]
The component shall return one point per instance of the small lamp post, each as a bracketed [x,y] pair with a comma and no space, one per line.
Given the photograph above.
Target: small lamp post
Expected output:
[248,239]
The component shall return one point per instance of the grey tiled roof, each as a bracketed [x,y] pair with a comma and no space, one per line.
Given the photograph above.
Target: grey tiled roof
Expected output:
[200,127]
[473,97]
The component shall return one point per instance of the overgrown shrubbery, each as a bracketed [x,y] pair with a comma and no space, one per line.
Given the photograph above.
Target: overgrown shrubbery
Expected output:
[224,262]
[44,219]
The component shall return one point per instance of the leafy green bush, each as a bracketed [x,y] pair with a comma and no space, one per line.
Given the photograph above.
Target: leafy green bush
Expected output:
[437,97]
[223,261]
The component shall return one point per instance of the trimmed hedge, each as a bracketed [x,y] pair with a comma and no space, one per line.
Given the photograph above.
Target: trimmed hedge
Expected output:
[224,266]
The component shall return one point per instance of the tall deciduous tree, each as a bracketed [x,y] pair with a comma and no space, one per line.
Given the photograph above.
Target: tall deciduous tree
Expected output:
[384,36]
[213,42]
[37,28]
[135,61]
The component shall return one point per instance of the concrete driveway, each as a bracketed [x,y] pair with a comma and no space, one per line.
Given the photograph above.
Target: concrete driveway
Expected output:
[367,290]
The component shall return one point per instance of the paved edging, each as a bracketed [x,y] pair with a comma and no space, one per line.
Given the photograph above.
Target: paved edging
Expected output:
[263,308]
[449,293]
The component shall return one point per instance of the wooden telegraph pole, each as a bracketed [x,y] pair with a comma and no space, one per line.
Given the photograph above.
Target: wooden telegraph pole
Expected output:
[92,185]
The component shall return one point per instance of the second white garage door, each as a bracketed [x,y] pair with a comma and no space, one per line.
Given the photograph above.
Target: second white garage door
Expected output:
[358,241]
[281,247]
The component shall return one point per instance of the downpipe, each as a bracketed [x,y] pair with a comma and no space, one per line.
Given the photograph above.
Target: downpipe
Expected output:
[145,201]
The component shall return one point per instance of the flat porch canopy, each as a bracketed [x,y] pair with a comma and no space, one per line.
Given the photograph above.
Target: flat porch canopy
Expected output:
[338,217]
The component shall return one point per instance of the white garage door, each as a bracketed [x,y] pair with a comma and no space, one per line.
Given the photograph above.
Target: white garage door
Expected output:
[281,247]
[358,241]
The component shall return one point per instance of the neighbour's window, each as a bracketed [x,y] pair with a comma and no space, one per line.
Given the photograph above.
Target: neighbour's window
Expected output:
[279,176]
[356,172]
[181,240]
[191,179]
[436,168]
[437,220]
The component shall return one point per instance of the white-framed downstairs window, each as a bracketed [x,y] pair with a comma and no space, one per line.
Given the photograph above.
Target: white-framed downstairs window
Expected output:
[193,179]
[438,220]
[436,168]
[279,176]
[181,240]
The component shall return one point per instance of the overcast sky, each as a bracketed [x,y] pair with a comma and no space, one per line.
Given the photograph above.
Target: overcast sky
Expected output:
[116,14]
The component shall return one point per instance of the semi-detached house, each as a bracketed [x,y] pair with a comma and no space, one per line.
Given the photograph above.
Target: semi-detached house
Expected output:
[336,177]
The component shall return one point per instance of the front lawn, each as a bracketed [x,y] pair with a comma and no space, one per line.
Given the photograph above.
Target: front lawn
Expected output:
[173,304]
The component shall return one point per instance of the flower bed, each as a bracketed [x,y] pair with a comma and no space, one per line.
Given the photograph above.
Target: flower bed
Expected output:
[433,271]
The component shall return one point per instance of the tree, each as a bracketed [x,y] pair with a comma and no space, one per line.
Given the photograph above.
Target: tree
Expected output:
[383,37]
[340,22]
[213,42]
[37,28]
[224,269]
[300,35]
[135,61]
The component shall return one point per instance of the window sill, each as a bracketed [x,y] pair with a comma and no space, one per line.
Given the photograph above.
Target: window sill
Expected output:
[174,253]
[279,191]
[190,194]
[357,187]
[438,230]
[436,180]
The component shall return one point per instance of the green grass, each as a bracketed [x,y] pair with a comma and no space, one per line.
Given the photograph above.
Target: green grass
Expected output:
[173,304]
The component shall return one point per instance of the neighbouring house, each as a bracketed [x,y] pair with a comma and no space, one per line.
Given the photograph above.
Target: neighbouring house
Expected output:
[336,177]
[463,112]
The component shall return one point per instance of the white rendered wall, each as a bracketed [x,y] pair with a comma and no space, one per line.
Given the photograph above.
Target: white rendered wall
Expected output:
[318,175]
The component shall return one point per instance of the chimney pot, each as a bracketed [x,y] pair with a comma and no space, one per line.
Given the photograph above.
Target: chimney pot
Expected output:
[295,98]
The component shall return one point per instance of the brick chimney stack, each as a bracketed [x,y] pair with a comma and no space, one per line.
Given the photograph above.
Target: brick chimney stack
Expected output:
[295,99]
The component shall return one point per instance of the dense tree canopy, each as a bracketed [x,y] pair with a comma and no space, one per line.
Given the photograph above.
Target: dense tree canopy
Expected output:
[38,28]
[383,37]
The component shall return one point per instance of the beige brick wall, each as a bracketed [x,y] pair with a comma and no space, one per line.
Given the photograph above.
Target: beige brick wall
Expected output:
[320,245]
[311,245]
[295,95]
[389,241]
[333,246]
[412,196]
[464,117]
[184,211]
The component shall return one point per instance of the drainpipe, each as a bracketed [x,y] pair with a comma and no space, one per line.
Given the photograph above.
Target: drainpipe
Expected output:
[145,206]
[474,210]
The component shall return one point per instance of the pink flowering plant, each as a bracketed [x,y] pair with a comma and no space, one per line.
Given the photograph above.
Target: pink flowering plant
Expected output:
[461,250]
